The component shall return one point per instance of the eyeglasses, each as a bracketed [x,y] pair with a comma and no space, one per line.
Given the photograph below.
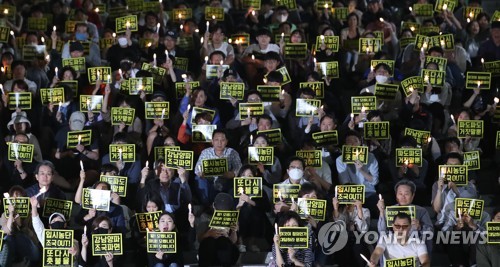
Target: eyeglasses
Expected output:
[398,226]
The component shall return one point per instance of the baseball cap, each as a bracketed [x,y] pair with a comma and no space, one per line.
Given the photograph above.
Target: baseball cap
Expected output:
[159,94]
[172,34]
[229,72]
[75,46]
[77,121]
[224,201]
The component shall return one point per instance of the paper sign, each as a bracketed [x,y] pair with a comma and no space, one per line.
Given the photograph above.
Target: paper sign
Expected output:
[326,138]
[232,89]
[441,62]
[294,237]
[123,152]
[21,100]
[157,110]
[22,206]
[473,207]
[250,186]
[180,14]
[118,184]
[376,130]
[285,192]
[22,152]
[269,93]
[202,133]
[126,22]
[332,43]
[56,248]
[264,155]
[165,242]
[315,208]
[214,167]
[78,137]
[96,199]
[407,262]
[408,156]
[312,158]
[147,220]
[348,194]
[273,136]
[214,13]
[224,218]
[159,151]
[470,128]
[472,160]
[57,205]
[157,72]
[52,95]
[307,107]
[102,244]
[99,73]
[493,67]
[413,83]
[125,115]
[448,5]
[328,69]
[386,91]
[435,78]
[180,88]
[77,63]
[369,103]
[352,153]
[286,76]
[493,232]
[318,87]
[141,84]
[37,24]
[423,10]
[478,80]
[422,137]
[392,211]
[295,51]
[370,45]
[457,174]
[340,13]
[214,71]
[255,109]
[176,159]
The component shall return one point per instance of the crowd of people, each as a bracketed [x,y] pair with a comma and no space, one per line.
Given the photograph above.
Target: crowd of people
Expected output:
[243,75]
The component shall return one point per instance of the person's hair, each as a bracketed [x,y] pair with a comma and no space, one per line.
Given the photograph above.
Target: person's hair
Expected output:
[217,52]
[20,84]
[108,167]
[384,66]
[481,15]
[216,27]
[98,220]
[171,215]
[408,140]
[45,163]
[221,131]
[406,182]
[288,215]
[295,158]
[203,115]
[353,133]
[195,93]
[301,33]
[281,8]
[495,212]
[402,215]
[151,14]
[255,171]
[128,100]
[437,49]
[452,139]
[108,186]
[307,91]
[329,115]
[453,155]
[17,188]
[121,137]
[353,15]
[374,113]
[307,188]
[64,69]
[275,76]
[315,75]
[261,135]
[68,92]
[264,117]
[468,27]
[155,198]
[82,24]
[431,64]
[252,92]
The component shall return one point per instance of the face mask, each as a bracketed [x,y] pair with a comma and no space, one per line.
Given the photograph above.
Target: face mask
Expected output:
[80,36]
[101,230]
[57,225]
[122,41]
[283,18]
[434,98]
[295,174]
[381,78]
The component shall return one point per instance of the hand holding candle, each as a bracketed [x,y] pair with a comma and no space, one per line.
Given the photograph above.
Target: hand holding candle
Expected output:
[190,208]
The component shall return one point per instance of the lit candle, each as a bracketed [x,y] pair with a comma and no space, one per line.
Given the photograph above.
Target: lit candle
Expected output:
[482,62]
[184,77]
[381,19]
[120,151]
[248,112]
[60,106]
[496,100]
[429,139]
[17,100]
[201,40]
[253,57]
[7,196]
[276,228]
[108,78]
[471,205]
[179,16]
[336,191]
[411,9]
[410,89]
[459,213]
[96,10]
[158,27]
[127,24]
[16,150]
[253,13]
[352,116]
[190,208]
[189,107]
[206,59]
[56,70]
[445,7]
[363,109]
[412,28]
[79,139]
[426,78]
[85,230]
[54,28]
[12,33]
[280,196]
[221,62]
[322,37]
[120,73]
[208,26]
[372,68]
[365,259]
[42,190]
[147,164]
[88,104]
[379,196]
[326,6]
[154,60]
[213,17]
[356,155]
[230,40]
[81,165]
[452,118]
[442,43]
[1,88]
[163,113]
[478,84]
[282,36]
[251,139]
[6,11]
[471,15]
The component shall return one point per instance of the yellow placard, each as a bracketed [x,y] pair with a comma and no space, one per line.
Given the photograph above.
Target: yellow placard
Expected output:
[74,138]
[340,13]
[181,63]
[253,4]
[269,93]
[386,91]
[332,42]
[470,128]
[157,72]
[91,103]
[273,136]
[22,152]
[472,160]
[123,152]
[294,237]
[250,186]
[58,238]
[250,110]
[57,205]
[180,88]
[21,100]
[99,73]
[96,199]
[126,22]
[315,208]
[473,207]
[312,158]
[405,156]
[435,78]
[214,13]
[326,138]
[493,67]
[471,12]
[33,52]
[165,242]
[263,155]
[318,87]
[77,63]
[392,211]
[352,153]
[286,76]
[295,51]
[224,218]
[407,262]
[202,133]
[376,130]
[197,110]
[363,103]
[423,10]
[56,257]
[457,174]
[422,137]
[493,232]
[176,159]
[412,83]
[118,184]
[102,244]
[70,26]
[180,14]
[348,194]
[242,39]
[328,69]
[4,34]
[478,80]
[307,107]
[370,45]
[122,115]
[214,71]
[22,206]
[230,90]
[157,110]
[52,95]
[285,192]
[405,41]
[141,84]
[448,5]
[441,62]
[148,220]
[214,167]
[159,151]
[105,43]
[37,24]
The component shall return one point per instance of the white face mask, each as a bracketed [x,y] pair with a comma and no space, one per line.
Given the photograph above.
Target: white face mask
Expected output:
[283,18]
[381,78]
[122,41]
[434,98]
[295,174]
